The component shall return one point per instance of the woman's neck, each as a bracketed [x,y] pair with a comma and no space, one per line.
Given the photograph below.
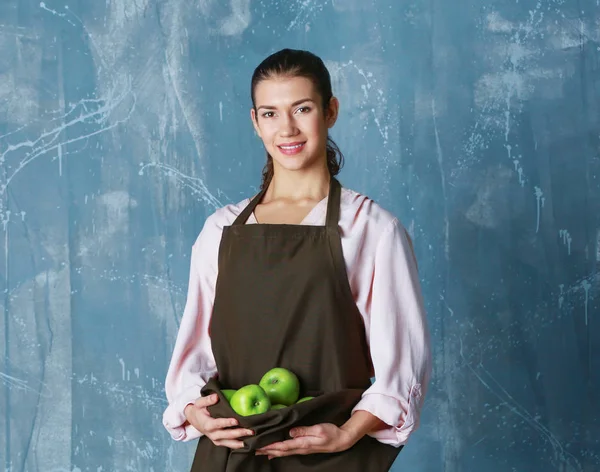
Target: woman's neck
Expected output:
[298,186]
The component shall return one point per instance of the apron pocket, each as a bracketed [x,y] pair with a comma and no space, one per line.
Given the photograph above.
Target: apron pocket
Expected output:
[274,425]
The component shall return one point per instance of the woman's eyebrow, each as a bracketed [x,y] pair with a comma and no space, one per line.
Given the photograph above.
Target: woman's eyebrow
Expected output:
[297,102]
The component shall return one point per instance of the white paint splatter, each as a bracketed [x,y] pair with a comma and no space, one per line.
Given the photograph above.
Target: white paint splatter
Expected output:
[539,196]
[5,220]
[590,279]
[122,362]
[516,161]
[500,94]
[307,9]
[566,238]
[195,184]
[372,94]
[64,16]
[95,113]
[519,169]
[350,5]
[440,159]
[585,284]
[561,295]
[54,12]
[16,383]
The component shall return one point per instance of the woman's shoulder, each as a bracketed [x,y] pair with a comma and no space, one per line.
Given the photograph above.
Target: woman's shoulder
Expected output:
[205,246]
[222,216]
[366,225]
[359,210]
[226,214]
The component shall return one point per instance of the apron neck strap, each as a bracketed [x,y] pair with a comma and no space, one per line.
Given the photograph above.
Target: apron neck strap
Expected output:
[333,205]
[245,214]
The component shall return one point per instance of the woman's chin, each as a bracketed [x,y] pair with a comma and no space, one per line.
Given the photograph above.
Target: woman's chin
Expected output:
[296,163]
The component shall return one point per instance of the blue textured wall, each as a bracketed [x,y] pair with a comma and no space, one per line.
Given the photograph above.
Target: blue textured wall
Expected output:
[124,124]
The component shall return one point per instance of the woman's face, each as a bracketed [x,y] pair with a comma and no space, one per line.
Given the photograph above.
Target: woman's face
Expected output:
[290,120]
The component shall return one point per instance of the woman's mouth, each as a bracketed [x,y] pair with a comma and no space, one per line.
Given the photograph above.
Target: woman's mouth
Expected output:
[291,148]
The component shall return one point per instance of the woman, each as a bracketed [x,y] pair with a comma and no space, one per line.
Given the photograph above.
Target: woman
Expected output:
[309,276]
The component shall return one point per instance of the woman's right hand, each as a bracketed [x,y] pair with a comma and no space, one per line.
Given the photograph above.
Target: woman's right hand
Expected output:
[218,430]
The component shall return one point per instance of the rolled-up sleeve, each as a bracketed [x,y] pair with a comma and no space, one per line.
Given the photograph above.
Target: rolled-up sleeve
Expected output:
[398,337]
[192,363]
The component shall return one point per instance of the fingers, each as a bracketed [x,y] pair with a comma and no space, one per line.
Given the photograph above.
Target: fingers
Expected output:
[215,424]
[298,446]
[293,444]
[315,430]
[219,430]
[231,434]
[203,402]
[271,453]
[293,452]
[230,443]
[228,437]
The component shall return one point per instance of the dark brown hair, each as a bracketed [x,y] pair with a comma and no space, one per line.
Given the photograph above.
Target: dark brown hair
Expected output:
[298,63]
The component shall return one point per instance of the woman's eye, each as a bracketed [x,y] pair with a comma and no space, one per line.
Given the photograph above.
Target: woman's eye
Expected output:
[304,109]
[267,114]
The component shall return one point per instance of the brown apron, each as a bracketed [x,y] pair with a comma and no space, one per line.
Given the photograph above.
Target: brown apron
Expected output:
[283,300]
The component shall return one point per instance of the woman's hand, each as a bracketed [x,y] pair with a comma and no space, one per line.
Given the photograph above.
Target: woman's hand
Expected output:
[325,437]
[218,430]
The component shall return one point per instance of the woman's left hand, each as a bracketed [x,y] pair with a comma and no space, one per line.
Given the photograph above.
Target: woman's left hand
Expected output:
[325,437]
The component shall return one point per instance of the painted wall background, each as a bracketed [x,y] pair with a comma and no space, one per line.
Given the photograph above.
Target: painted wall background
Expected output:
[124,124]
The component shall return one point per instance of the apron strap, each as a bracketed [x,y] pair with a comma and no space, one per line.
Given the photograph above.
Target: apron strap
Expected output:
[333,205]
[245,214]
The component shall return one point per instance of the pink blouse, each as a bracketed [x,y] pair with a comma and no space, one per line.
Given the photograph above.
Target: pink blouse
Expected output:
[383,276]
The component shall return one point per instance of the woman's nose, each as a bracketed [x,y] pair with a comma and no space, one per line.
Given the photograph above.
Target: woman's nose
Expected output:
[287,126]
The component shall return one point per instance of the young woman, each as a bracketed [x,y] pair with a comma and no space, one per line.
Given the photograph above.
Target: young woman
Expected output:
[306,275]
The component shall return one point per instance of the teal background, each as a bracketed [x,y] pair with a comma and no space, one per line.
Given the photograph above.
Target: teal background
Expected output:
[124,124]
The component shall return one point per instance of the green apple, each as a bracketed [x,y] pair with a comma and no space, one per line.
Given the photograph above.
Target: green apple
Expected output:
[250,400]
[305,399]
[281,385]
[228,393]
[278,407]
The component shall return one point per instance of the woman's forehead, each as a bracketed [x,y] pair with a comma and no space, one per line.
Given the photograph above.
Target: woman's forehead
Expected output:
[284,90]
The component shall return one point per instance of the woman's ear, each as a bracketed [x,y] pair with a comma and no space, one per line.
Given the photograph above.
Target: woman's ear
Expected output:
[254,121]
[332,112]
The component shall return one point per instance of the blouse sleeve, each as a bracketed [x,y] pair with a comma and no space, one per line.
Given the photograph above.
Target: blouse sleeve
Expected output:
[398,337]
[192,362]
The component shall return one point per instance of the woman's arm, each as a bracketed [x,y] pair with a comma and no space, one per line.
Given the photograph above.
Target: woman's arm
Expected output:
[362,422]
[399,341]
[192,362]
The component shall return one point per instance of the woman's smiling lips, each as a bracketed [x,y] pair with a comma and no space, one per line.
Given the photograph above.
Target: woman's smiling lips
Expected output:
[291,148]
